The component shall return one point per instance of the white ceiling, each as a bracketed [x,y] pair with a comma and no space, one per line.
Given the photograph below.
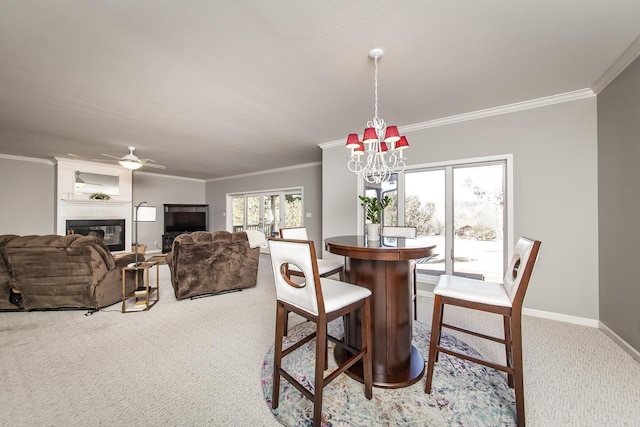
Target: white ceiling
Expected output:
[218,88]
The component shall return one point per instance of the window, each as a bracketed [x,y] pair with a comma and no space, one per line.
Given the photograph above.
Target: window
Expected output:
[266,212]
[387,188]
[461,208]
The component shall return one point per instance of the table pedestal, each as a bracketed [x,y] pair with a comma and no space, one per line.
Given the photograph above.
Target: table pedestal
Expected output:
[403,378]
[396,362]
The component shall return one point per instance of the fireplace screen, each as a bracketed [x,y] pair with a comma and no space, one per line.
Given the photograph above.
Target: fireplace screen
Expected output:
[111,231]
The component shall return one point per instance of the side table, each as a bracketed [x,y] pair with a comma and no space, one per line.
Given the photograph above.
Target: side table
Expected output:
[143,297]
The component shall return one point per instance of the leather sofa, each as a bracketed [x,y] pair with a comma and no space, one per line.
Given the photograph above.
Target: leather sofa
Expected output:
[58,272]
[205,262]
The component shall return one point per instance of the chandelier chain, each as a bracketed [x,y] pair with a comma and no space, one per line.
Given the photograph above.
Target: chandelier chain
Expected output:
[375,83]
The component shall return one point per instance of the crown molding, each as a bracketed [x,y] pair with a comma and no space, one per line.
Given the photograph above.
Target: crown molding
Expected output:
[618,66]
[26,159]
[159,175]
[481,114]
[286,168]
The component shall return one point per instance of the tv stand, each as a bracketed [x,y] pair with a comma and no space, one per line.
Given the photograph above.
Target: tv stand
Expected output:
[167,240]
[181,219]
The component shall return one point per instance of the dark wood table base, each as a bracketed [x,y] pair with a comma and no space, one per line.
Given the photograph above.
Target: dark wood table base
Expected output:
[402,379]
[385,269]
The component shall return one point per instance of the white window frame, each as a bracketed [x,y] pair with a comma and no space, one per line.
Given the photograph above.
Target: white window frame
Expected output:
[509,238]
[282,192]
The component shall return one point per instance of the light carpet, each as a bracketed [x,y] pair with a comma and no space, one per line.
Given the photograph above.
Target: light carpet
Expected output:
[463,393]
[199,363]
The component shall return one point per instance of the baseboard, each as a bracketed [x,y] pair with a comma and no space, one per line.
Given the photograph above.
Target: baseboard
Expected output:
[618,340]
[570,319]
[593,323]
[542,314]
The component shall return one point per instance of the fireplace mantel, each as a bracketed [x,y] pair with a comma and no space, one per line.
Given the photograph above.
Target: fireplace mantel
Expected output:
[94,202]
[72,206]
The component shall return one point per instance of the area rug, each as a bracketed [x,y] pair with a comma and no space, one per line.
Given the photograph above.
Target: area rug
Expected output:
[463,393]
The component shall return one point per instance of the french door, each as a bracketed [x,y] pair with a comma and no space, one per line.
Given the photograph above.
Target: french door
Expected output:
[462,209]
[266,212]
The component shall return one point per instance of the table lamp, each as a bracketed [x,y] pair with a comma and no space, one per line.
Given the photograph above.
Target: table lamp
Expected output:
[143,213]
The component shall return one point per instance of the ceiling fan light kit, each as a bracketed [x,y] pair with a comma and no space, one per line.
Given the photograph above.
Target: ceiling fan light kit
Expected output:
[383,145]
[132,162]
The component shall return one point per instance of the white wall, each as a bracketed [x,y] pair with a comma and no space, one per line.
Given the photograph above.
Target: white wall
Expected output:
[555,186]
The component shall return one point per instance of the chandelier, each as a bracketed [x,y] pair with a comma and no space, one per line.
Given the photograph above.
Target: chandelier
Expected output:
[379,154]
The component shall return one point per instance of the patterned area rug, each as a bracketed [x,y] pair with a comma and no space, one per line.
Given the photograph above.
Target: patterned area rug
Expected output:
[463,393]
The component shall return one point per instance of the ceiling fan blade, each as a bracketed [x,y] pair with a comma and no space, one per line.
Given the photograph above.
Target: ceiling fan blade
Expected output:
[113,157]
[153,165]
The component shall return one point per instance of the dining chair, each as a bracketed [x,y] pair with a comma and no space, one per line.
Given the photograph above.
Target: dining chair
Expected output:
[407,232]
[326,267]
[504,299]
[320,300]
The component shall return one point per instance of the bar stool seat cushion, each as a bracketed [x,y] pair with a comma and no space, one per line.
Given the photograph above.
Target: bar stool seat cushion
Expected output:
[471,290]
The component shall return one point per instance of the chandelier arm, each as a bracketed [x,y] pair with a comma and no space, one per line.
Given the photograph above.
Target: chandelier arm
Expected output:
[354,165]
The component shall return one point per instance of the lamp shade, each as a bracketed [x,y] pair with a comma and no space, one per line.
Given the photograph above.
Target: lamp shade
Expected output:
[130,164]
[359,151]
[370,136]
[383,147]
[145,214]
[402,143]
[392,134]
[352,140]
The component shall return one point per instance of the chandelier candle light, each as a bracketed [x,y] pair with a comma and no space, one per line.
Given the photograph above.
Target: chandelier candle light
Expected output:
[382,144]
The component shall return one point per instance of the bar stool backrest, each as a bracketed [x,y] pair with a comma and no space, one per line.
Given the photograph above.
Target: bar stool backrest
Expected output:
[306,295]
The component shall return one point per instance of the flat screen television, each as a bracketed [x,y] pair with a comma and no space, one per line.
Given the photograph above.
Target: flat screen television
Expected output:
[185,218]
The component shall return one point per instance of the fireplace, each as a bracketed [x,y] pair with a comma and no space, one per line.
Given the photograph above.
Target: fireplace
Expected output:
[111,231]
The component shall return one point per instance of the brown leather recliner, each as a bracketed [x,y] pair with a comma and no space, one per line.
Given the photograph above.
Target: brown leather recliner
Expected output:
[52,272]
[205,262]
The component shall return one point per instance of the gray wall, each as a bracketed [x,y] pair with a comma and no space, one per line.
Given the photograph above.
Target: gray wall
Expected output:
[158,190]
[555,186]
[27,189]
[29,207]
[309,177]
[619,204]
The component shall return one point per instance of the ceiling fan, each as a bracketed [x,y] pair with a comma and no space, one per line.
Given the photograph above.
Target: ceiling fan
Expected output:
[131,161]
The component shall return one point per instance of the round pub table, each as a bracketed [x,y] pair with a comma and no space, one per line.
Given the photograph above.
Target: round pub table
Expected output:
[383,266]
